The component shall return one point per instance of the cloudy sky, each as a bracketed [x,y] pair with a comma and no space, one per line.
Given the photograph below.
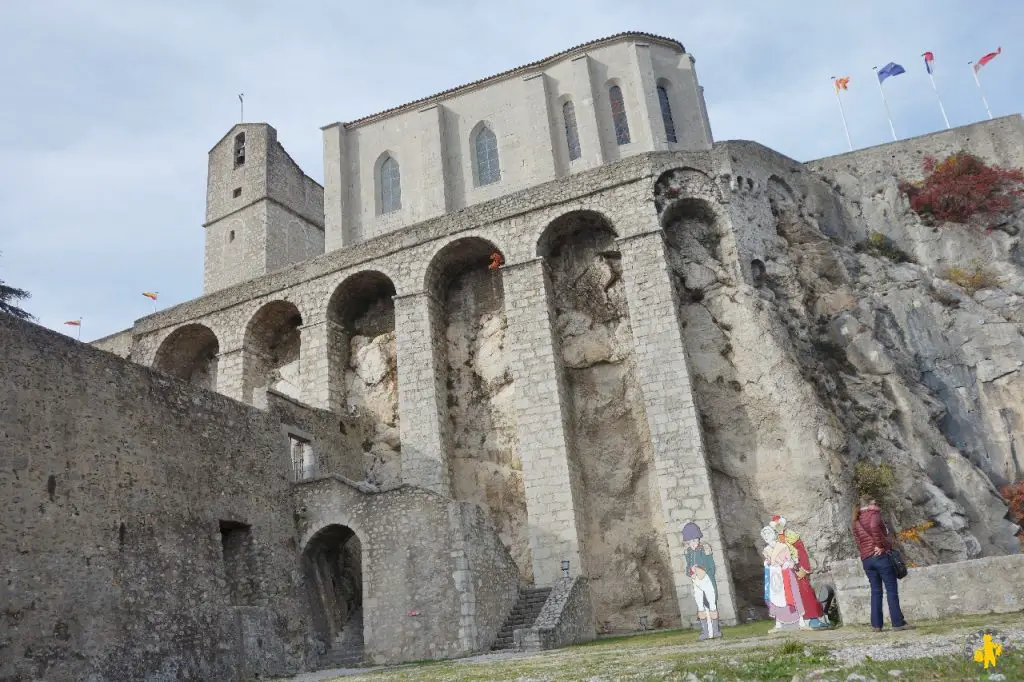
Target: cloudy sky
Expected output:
[110,106]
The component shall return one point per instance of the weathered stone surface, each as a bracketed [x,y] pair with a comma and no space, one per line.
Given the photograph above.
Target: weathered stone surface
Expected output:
[567,618]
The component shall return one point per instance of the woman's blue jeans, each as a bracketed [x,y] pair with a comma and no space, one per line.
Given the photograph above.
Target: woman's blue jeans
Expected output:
[880,572]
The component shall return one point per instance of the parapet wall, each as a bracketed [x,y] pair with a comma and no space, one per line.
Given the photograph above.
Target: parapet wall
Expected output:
[962,588]
[121,493]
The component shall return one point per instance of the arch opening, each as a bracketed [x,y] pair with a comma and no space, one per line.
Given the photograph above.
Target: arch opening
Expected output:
[272,351]
[190,353]
[333,565]
[363,367]
[484,465]
[625,548]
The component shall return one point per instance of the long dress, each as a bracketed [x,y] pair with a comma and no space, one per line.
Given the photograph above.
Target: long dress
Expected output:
[782,594]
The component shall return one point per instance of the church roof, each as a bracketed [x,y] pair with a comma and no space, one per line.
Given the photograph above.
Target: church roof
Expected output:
[518,69]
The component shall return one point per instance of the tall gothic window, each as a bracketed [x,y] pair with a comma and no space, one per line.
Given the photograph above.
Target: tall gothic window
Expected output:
[486,151]
[572,135]
[390,186]
[619,115]
[666,114]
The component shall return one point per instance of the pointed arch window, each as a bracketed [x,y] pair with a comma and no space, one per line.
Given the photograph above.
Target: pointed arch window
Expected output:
[572,133]
[666,114]
[239,149]
[485,147]
[619,119]
[390,186]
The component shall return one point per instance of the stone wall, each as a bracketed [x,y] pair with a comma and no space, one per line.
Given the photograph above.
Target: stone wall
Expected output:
[436,581]
[960,588]
[148,528]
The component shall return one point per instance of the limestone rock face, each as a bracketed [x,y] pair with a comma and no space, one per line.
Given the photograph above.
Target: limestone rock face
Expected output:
[831,355]
[371,383]
[626,553]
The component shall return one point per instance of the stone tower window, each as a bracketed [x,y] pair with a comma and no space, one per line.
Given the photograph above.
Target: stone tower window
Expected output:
[239,149]
[572,135]
[666,114]
[390,183]
[619,119]
[486,154]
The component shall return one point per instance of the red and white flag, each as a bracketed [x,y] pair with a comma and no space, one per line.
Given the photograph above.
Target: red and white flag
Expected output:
[986,59]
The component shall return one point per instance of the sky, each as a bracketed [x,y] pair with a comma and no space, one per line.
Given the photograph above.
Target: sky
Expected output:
[110,106]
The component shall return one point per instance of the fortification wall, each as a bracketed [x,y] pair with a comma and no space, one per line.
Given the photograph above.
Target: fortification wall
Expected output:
[147,527]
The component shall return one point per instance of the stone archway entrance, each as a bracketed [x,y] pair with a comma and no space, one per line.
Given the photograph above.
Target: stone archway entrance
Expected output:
[334,575]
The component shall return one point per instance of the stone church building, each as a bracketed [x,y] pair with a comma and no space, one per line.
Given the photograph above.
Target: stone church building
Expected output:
[476,382]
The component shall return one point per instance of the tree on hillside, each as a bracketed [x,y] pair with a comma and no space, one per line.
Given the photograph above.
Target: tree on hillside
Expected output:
[9,296]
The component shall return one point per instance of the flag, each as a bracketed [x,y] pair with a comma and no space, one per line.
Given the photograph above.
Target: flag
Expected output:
[928,59]
[74,323]
[890,69]
[841,83]
[987,58]
[149,295]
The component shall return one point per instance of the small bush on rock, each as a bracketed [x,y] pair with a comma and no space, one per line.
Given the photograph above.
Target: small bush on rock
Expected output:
[877,244]
[972,278]
[873,481]
[963,189]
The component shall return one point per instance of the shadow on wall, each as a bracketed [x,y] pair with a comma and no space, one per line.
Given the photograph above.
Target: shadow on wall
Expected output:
[625,551]
[333,564]
[190,353]
[271,350]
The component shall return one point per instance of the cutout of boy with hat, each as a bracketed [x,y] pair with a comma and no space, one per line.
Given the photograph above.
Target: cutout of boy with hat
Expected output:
[701,569]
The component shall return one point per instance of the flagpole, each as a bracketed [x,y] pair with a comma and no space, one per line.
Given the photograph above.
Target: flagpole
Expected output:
[241,107]
[842,114]
[931,77]
[978,83]
[79,329]
[888,115]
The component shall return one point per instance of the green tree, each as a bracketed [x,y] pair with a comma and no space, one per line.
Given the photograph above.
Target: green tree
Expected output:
[9,296]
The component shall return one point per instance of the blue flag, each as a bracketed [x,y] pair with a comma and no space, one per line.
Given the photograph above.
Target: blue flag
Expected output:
[890,69]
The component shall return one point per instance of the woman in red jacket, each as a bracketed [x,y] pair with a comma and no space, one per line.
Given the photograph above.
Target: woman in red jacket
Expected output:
[873,541]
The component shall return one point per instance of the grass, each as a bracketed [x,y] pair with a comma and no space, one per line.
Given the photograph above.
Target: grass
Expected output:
[746,653]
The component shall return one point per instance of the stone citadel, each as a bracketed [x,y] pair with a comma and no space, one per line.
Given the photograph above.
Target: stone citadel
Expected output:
[527,329]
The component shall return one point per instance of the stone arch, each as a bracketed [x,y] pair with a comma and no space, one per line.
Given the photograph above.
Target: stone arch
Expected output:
[333,565]
[683,182]
[571,223]
[625,550]
[272,348]
[693,236]
[363,368]
[469,326]
[758,272]
[190,353]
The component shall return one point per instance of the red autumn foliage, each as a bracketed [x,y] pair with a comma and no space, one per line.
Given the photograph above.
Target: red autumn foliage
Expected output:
[1014,496]
[963,187]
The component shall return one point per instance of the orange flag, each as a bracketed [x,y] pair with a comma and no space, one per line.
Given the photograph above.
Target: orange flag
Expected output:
[841,83]
[149,295]
[74,323]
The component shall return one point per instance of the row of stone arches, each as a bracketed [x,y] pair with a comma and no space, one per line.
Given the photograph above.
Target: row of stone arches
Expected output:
[627,556]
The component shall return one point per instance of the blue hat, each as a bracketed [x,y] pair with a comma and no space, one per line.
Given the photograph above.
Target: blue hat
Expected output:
[691,532]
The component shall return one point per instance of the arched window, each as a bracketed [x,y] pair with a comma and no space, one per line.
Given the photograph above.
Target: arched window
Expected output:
[488,169]
[390,186]
[572,135]
[239,149]
[619,115]
[666,114]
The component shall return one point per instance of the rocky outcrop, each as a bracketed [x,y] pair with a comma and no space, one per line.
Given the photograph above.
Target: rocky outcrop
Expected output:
[485,464]
[838,347]
[626,555]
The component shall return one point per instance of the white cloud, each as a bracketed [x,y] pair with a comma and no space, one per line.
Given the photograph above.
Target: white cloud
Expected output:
[113,104]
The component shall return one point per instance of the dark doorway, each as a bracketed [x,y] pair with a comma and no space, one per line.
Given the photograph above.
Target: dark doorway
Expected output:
[333,564]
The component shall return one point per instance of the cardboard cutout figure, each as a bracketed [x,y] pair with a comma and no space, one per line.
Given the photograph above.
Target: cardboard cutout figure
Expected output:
[810,609]
[781,595]
[700,566]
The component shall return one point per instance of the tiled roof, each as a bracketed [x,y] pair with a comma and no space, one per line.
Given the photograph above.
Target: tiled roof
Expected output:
[524,67]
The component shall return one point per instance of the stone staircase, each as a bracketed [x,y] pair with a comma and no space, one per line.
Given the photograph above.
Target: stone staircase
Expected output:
[347,650]
[523,615]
